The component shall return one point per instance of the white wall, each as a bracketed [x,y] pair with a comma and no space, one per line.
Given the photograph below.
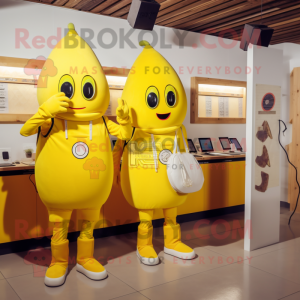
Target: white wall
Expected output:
[291,60]
[43,20]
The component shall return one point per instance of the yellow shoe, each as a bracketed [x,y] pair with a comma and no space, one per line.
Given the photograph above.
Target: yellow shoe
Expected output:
[86,263]
[173,244]
[145,250]
[58,269]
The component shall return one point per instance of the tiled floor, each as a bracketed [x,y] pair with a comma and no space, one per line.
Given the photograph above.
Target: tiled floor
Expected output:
[221,271]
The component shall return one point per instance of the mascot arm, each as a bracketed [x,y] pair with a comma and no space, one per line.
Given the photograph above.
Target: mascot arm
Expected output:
[117,154]
[124,130]
[58,103]
[41,118]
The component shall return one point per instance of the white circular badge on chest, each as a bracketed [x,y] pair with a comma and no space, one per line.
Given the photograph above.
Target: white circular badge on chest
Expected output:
[80,150]
[164,156]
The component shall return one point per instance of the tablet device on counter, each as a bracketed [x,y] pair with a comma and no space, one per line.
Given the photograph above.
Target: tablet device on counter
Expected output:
[236,143]
[206,145]
[192,148]
[225,143]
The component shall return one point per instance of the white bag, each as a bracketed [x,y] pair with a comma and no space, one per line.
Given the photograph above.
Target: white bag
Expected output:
[184,172]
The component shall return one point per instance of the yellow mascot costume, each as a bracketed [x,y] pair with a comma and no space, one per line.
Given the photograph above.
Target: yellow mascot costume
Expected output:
[157,104]
[74,163]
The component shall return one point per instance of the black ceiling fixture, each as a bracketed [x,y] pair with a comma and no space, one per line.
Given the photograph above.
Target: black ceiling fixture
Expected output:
[256,34]
[143,14]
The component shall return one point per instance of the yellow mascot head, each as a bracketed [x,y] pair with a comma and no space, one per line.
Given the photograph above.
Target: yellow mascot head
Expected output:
[78,74]
[154,92]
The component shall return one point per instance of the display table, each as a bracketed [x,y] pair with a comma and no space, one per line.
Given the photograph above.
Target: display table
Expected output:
[206,158]
[18,169]
[23,216]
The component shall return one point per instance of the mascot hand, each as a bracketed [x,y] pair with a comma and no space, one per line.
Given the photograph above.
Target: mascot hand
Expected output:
[122,109]
[117,178]
[57,104]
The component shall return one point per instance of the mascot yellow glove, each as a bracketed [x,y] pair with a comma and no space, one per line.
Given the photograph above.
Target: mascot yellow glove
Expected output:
[122,111]
[56,104]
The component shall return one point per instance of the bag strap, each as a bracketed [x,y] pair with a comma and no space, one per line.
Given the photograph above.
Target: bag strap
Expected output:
[185,145]
[176,144]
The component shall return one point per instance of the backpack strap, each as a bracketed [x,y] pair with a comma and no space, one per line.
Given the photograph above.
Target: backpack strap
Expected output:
[125,144]
[105,124]
[39,131]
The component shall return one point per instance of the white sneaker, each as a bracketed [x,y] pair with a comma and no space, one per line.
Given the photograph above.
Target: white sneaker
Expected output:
[181,255]
[149,261]
[54,282]
[91,275]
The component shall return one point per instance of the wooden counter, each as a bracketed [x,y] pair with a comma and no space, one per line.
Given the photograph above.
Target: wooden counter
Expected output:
[203,159]
[212,158]
[17,169]
[23,216]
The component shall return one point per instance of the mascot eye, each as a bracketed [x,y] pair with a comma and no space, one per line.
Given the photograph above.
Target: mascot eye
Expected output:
[152,97]
[170,95]
[67,86]
[88,87]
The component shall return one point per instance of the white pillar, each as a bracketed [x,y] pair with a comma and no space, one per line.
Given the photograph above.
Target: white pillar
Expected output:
[262,209]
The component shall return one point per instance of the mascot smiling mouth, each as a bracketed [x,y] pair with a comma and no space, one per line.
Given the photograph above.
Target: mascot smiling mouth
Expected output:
[163,116]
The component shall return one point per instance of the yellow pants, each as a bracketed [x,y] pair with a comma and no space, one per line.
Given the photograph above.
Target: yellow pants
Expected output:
[172,234]
[85,242]
[145,229]
[61,220]
[146,217]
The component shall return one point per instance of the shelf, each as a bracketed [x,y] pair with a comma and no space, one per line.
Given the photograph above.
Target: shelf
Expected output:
[22,118]
[18,80]
[221,121]
[22,98]
[234,107]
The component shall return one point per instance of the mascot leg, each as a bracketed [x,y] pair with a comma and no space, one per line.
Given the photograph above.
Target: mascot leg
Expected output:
[86,263]
[172,233]
[58,269]
[145,250]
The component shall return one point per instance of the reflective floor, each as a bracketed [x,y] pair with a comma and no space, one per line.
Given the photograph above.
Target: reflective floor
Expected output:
[222,270]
